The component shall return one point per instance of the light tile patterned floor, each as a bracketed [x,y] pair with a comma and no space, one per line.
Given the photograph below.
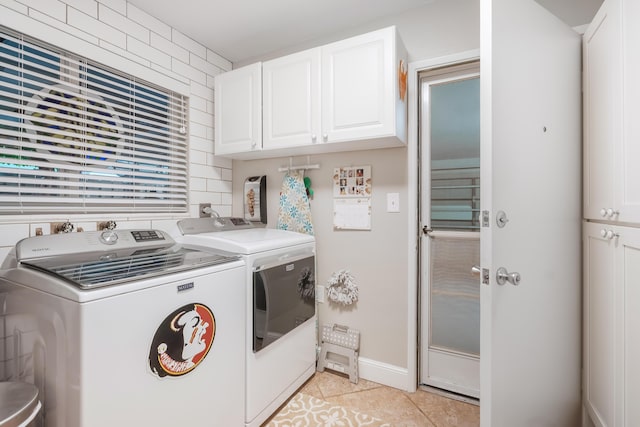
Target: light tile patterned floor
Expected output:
[396,407]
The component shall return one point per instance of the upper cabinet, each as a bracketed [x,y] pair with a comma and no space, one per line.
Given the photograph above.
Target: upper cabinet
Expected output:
[363,87]
[348,95]
[611,106]
[238,110]
[291,100]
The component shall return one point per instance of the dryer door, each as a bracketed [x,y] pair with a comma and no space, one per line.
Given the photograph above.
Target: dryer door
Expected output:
[283,298]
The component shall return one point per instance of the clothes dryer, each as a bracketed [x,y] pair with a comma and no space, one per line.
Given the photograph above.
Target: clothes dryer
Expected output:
[280,306]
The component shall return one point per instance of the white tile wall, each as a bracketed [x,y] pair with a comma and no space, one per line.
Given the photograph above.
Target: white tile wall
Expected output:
[125,37]
[218,60]
[138,48]
[93,26]
[84,6]
[52,22]
[169,47]
[18,7]
[123,53]
[189,71]
[146,20]
[119,6]
[122,23]
[53,8]
[189,44]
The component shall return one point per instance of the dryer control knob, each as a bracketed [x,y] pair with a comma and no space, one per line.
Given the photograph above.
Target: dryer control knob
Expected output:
[109,237]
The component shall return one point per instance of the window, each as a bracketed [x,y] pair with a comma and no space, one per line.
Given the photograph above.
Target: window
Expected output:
[78,137]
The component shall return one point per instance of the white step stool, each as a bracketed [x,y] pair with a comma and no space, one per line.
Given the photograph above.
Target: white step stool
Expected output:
[339,340]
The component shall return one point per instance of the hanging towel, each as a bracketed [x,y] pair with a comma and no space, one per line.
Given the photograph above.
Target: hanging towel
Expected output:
[295,211]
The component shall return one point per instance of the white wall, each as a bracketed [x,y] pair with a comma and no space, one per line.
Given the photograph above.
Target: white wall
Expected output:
[378,258]
[117,34]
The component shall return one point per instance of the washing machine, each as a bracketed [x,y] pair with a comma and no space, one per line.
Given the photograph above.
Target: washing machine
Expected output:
[127,327]
[280,306]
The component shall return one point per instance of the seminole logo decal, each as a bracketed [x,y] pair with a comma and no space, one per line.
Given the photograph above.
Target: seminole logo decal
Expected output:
[182,341]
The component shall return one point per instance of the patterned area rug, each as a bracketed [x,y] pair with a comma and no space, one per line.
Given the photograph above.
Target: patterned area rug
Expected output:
[307,411]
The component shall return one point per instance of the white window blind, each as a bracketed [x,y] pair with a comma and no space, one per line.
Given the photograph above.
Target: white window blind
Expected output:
[78,137]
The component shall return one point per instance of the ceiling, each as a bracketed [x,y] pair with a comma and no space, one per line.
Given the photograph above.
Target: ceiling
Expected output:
[243,29]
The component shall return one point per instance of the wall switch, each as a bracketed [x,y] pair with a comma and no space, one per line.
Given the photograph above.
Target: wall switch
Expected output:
[393,202]
[320,293]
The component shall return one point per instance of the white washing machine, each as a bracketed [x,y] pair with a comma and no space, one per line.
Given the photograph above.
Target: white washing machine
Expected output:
[125,328]
[280,306]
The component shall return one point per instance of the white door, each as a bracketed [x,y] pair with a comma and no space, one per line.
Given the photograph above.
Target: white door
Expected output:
[530,170]
[450,247]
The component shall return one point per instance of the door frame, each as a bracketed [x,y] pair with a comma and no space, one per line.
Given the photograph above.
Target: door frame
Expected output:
[451,371]
[413,220]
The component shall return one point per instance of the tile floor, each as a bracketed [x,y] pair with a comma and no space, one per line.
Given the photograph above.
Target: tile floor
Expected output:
[397,407]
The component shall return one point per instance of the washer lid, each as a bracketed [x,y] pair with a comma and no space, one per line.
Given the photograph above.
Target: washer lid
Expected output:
[249,241]
[105,268]
[17,402]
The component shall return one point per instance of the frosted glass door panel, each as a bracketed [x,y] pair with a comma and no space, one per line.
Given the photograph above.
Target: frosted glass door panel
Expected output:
[455,293]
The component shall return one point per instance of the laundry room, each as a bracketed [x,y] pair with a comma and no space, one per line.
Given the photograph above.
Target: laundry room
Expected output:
[181,146]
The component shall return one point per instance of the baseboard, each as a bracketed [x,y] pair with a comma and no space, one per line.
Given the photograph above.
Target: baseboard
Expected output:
[384,373]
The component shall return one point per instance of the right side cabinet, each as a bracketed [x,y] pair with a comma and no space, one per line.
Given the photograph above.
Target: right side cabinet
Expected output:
[611,55]
[611,381]
[611,231]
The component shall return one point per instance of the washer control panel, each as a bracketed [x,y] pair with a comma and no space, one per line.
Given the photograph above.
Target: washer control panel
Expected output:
[89,241]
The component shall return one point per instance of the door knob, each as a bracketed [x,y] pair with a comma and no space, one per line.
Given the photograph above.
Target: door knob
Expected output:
[476,270]
[503,276]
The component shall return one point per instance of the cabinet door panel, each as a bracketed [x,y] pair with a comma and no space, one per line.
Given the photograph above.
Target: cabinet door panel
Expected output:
[629,187]
[601,109]
[599,325]
[238,110]
[291,94]
[358,87]
[629,280]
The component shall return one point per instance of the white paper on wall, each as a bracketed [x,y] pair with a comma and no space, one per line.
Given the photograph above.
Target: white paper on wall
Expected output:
[352,198]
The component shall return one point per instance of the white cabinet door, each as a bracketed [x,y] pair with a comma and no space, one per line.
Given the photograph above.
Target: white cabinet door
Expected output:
[238,110]
[629,175]
[599,325]
[628,279]
[360,87]
[291,100]
[602,103]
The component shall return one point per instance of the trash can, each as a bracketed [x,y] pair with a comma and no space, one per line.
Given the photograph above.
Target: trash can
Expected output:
[19,404]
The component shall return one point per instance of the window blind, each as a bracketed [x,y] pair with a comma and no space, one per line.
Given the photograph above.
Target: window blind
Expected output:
[76,136]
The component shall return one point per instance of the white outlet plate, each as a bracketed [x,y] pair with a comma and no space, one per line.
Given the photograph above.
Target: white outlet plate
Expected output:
[320,293]
[44,228]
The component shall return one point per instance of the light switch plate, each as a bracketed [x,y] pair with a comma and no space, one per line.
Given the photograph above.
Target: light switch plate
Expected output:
[393,202]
